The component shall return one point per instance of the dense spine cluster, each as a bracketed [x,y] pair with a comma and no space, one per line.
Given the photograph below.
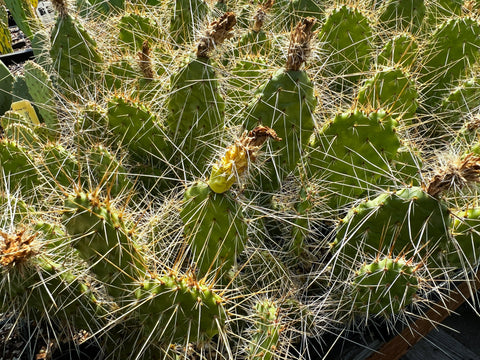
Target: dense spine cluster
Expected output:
[232,179]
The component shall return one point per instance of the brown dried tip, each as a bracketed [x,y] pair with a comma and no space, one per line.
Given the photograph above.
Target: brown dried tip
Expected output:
[256,137]
[247,145]
[458,174]
[299,48]
[474,124]
[61,7]
[261,15]
[145,62]
[217,32]
[16,248]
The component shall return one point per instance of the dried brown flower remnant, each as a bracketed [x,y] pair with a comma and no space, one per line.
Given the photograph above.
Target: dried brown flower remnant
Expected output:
[299,48]
[145,62]
[16,248]
[474,124]
[459,173]
[218,31]
[61,6]
[261,15]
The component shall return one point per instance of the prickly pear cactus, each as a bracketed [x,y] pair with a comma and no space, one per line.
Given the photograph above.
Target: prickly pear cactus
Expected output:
[134,29]
[401,50]
[286,104]
[166,302]
[214,227]
[266,331]
[408,221]
[40,88]
[384,287]
[349,152]
[393,90]
[125,216]
[466,248]
[5,88]
[186,19]
[73,51]
[448,56]
[403,15]
[195,105]
[22,12]
[346,46]
[18,167]
[133,124]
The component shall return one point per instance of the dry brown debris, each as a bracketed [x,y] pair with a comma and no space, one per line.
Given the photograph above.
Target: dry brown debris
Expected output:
[218,31]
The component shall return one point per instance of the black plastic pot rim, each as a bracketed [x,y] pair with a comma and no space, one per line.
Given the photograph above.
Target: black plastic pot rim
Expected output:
[17,57]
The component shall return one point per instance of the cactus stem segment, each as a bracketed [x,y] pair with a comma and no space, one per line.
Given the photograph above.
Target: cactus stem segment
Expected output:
[299,48]
[238,156]
[217,32]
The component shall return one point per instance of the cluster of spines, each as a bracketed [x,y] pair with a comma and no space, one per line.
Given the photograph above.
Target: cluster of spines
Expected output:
[388,97]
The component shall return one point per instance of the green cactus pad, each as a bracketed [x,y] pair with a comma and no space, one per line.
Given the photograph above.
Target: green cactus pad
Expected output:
[17,127]
[465,253]
[440,10]
[18,169]
[135,29]
[195,112]
[108,172]
[14,209]
[393,90]
[461,102]
[102,238]
[23,14]
[134,125]
[108,7]
[40,88]
[6,84]
[286,104]
[41,287]
[301,226]
[405,168]
[174,309]
[187,18]
[214,228]
[245,77]
[120,75]
[384,287]
[41,48]
[408,221]
[350,153]
[403,14]
[266,331]
[254,43]
[91,126]
[448,57]
[74,55]
[20,89]
[346,47]
[59,165]
[402,50]
[305,8]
